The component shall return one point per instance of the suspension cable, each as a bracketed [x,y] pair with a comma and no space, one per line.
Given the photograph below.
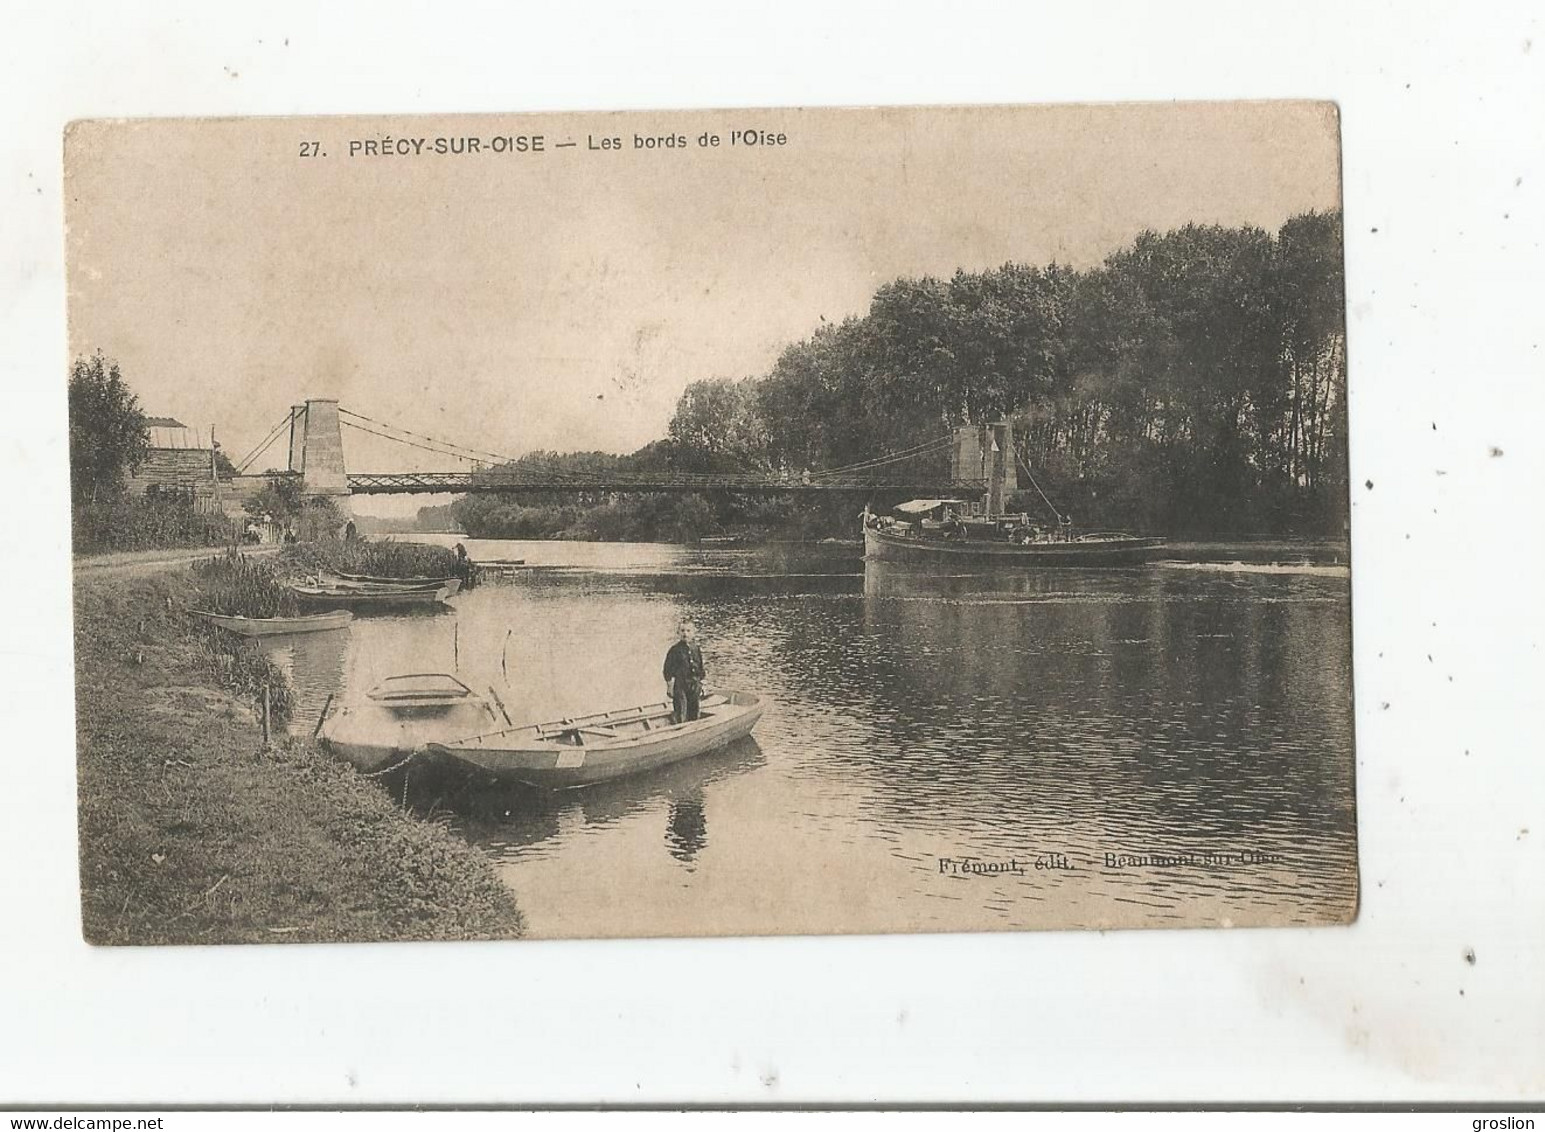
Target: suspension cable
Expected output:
[465,452]
[410,443]
[445,443]
[273,434]
[531,470]
[911,453]
[266,446]
[530,465]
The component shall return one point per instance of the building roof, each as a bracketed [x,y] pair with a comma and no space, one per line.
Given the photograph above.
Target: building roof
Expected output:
[163,422]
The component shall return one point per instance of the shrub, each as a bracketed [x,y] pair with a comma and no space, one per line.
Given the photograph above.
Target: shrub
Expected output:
[147,523]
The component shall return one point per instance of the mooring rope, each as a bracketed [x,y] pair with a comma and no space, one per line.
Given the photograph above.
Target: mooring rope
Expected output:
[1026,465]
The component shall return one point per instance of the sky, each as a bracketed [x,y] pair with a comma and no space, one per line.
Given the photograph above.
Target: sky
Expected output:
[563,299]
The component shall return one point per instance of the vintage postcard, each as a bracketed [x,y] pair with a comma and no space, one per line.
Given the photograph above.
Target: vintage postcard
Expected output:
[710,523]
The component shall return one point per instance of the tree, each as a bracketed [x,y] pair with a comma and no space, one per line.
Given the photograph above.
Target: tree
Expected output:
[280,498]
[108,435]
[715,427]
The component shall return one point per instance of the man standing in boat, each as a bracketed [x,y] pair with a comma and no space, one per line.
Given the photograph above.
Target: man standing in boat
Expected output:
[684,674]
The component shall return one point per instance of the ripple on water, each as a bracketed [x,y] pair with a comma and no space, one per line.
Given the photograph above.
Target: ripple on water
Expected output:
[913,718]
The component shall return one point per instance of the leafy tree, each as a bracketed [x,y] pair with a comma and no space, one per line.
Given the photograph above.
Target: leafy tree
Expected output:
[1193,382]
[108,434]
[280,499]
[716,427]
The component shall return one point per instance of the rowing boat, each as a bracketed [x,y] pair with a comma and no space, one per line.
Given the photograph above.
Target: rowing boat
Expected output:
[401,714]
[339,578]
[610,744]
[365,598]
[277,626]
[354,582]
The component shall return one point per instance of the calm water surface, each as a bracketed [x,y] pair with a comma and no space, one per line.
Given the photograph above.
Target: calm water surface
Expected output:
[1055,716]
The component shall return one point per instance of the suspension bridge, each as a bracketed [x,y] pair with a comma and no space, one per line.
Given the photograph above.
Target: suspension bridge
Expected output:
[979,464]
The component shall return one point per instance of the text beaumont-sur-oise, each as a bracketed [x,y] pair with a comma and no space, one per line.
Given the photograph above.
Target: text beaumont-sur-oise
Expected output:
[1190,860]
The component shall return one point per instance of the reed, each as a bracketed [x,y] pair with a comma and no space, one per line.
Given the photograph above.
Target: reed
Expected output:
[385,557]
[242,669]
[240,586]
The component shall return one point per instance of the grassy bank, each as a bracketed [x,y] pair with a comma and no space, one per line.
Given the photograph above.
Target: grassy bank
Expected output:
[190,832]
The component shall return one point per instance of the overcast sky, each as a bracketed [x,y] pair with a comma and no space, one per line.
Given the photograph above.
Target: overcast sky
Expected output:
[564,299]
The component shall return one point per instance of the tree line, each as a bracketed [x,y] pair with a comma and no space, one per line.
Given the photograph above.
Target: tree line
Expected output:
[1194,382]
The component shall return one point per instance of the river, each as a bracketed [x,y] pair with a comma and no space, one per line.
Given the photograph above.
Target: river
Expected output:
[1157,746]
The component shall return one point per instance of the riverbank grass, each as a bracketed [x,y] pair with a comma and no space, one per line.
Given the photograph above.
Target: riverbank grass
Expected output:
[192,832]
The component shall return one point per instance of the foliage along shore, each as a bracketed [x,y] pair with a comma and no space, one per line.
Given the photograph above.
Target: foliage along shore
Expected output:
[1194,384]
[192,832]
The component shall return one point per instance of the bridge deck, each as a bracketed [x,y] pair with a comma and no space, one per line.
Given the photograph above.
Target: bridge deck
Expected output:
[464,483]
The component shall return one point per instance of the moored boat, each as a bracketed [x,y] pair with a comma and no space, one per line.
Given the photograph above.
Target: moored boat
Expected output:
[951,530]
[364,598]
[400,715]
[1099,549]
[339,578]
[277,626]
[587,749]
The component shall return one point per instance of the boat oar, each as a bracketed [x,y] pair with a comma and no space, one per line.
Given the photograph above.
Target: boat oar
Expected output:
[500,702]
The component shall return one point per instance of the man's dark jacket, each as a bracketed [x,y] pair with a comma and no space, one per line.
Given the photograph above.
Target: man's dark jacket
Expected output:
[684,663]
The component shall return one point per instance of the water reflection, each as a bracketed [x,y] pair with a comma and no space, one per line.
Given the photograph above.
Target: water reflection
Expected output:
[686,829]
[315,665]
[507,819]
[914,717]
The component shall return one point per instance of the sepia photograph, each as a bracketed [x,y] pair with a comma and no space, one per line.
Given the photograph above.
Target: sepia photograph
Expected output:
[710,523]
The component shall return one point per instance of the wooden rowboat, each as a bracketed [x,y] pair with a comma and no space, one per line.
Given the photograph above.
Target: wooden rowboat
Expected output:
[610,744]
[342,579]
[277,626]
[401,714]
[364,598]
[346,582]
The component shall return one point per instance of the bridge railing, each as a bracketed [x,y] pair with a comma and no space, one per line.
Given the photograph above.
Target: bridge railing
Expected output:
[390,483]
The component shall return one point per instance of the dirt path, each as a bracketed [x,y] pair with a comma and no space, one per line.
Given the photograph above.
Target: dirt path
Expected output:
[137,563]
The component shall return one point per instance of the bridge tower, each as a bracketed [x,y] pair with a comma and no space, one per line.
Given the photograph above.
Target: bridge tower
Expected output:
[986,452]
[316,448]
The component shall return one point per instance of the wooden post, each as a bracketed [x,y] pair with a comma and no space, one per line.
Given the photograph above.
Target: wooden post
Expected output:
[266,711]
[321,719]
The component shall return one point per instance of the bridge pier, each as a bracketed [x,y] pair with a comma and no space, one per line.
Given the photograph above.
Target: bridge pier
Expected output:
[316,449]
[985,453]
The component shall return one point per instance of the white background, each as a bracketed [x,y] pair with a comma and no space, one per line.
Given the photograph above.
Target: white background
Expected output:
[1442,111]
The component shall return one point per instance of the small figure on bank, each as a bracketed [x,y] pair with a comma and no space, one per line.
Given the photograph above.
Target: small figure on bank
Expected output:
[684,674]
[350,532]
[1066,523]
[463,565]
